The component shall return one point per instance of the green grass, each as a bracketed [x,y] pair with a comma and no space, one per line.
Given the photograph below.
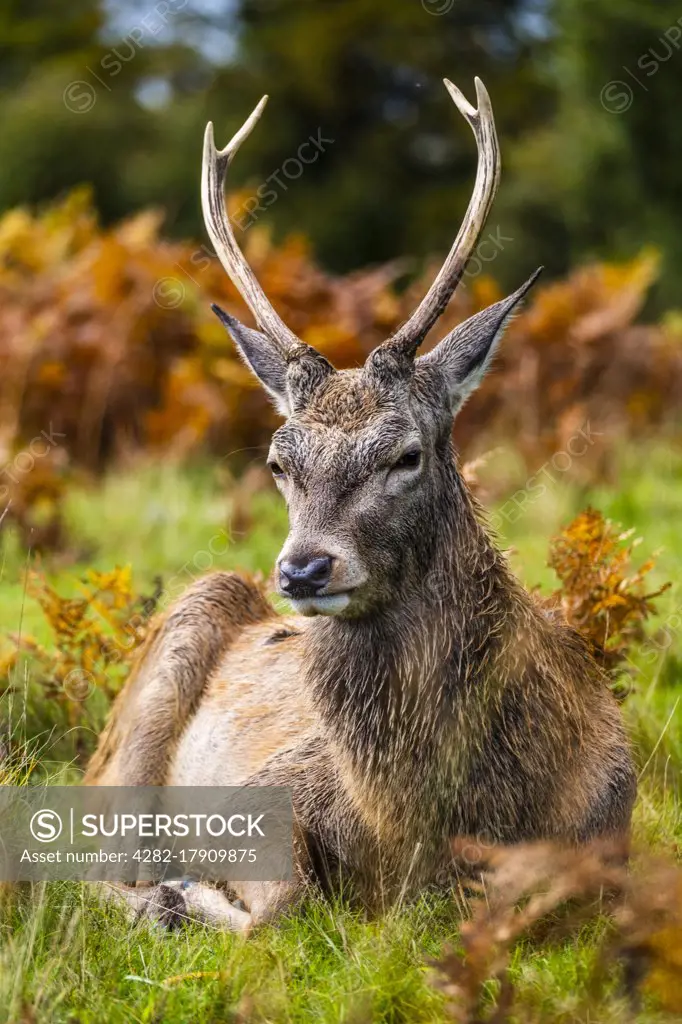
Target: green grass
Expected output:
[65,958]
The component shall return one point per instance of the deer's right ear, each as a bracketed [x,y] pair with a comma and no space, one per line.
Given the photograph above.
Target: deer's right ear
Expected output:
[262,357]
[464,356]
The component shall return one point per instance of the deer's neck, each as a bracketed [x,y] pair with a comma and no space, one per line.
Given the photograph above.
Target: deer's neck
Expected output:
[390,687]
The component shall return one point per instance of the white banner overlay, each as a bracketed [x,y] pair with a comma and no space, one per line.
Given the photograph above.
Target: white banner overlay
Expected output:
[144,833]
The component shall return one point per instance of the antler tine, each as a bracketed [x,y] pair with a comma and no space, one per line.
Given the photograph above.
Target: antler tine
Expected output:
[408,338]
[213,173]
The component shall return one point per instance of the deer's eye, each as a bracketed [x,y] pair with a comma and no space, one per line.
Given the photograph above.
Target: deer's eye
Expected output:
[276,470]
[409,459]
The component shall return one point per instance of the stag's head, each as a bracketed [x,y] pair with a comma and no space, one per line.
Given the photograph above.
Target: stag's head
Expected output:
[364,459]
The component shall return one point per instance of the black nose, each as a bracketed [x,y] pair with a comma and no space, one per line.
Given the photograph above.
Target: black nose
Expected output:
[304,578]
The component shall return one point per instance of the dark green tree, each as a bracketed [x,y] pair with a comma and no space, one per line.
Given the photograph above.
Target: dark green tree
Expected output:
[601,178]
[363,73]
[368,74]
[584,92]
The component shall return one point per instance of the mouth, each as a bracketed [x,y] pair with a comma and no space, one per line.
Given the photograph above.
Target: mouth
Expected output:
[322,604]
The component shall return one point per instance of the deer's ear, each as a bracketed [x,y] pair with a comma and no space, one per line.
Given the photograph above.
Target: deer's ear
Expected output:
[262,357]
[464,356]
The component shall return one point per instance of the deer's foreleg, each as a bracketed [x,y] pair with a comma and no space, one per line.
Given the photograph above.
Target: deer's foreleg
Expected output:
[173,905]
[165,685]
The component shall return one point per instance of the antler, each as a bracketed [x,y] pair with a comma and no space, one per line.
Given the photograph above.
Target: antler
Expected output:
[213,173]
[409,337]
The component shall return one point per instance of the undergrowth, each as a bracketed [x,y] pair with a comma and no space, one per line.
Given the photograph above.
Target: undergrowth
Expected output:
[65,958]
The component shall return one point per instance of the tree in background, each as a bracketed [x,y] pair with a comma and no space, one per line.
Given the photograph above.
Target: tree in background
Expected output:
[118,95]
[602,177]
[75,105]
[369,73]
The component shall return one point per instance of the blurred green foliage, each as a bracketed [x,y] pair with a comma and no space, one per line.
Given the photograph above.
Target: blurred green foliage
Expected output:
[583,90]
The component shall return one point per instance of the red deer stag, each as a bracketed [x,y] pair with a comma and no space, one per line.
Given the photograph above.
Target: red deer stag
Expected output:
[399,713]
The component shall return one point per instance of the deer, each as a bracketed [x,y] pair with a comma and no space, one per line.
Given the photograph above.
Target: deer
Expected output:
[418,692]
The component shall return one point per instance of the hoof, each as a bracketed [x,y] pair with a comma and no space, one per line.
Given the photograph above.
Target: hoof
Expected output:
[165,908]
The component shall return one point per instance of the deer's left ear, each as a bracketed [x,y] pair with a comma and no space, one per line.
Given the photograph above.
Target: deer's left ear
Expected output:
[262,357]
[463,357]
